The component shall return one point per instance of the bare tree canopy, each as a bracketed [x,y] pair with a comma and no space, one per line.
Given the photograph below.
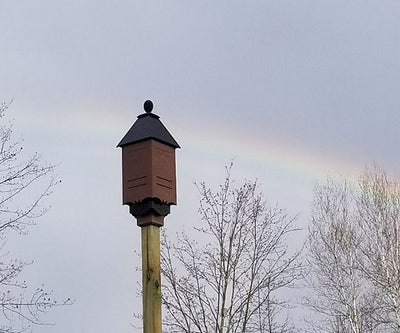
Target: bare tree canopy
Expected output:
[24,184]
[354,255]
[229,277]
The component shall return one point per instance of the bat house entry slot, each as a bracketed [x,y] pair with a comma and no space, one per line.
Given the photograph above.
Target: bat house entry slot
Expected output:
[163,182]
[137,182]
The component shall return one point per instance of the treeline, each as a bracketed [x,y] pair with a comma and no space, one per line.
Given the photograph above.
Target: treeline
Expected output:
[237,274]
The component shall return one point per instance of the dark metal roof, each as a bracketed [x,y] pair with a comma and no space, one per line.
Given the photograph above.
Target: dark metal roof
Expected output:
[148,126]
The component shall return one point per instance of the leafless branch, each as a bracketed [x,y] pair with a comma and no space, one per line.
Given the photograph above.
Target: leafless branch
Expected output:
[230,277]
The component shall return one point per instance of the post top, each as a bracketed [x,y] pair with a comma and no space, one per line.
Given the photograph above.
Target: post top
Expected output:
[148,106]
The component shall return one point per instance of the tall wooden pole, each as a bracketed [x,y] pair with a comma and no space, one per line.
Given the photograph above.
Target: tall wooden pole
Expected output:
[151,279]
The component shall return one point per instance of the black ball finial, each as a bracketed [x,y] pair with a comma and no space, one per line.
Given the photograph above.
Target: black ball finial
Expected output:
[148,106]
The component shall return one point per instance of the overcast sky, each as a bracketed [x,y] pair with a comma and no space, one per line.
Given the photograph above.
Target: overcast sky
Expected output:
[290,90]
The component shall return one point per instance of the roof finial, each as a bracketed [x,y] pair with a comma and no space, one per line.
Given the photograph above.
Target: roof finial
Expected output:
[148,106]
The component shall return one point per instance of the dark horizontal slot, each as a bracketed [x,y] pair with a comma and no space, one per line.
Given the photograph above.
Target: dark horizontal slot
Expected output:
[167,180]
[135,179]
[137,185]
[137,182]
[165,186]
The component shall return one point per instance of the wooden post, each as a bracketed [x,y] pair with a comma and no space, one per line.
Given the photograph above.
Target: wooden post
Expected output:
[151,279]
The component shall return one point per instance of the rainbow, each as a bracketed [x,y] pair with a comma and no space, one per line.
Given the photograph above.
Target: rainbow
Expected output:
[268,154]
[220,141]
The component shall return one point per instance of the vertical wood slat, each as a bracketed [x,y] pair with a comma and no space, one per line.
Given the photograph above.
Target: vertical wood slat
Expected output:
[151,279]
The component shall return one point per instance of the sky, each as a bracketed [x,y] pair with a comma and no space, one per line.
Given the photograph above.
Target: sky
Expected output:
[291,91]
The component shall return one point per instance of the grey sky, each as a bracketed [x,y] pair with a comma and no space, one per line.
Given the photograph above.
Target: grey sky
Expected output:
[292,90]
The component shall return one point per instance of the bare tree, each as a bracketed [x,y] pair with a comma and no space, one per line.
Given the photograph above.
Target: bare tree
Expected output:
[339,290]
[354,255]
[378,205]
[24,183]
[230,277]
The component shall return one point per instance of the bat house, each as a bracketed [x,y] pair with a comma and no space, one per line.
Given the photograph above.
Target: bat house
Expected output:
[148,161]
